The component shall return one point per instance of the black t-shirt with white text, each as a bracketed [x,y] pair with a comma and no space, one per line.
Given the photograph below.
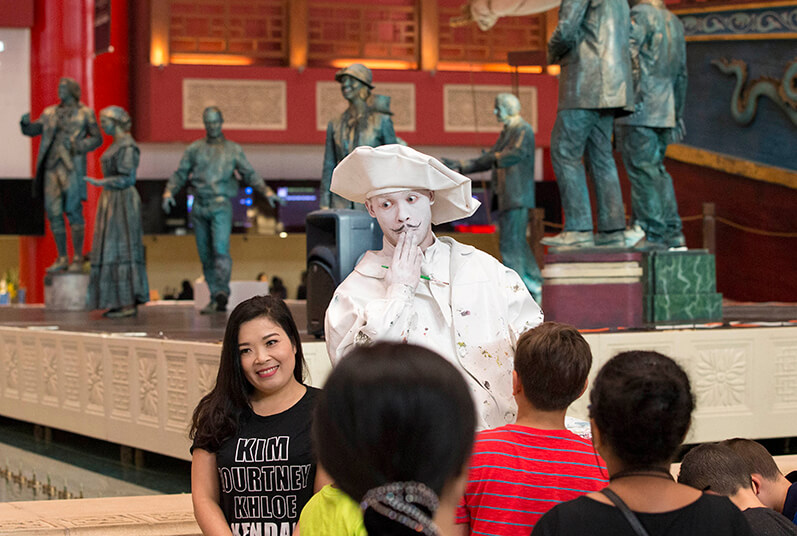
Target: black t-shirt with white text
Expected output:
[267,470]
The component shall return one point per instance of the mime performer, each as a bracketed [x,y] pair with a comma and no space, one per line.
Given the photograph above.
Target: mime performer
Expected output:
[429,290]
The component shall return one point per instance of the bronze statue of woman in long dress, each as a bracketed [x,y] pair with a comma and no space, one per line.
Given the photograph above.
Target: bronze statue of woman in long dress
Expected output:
[118,280]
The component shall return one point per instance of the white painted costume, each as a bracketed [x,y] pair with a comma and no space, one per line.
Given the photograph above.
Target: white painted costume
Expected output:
[468,307]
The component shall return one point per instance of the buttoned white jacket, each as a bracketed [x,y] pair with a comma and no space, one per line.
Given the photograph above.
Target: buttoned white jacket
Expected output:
[490,309]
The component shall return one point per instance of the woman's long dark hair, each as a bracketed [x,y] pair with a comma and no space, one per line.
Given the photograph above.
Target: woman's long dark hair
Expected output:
[393,413]
[216,416]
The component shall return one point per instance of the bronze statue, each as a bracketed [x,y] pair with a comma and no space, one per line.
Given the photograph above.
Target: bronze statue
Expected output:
[590,43]
[69,130]
[118,280]
[209,165]
[512,162]
[658,54]
[363,123]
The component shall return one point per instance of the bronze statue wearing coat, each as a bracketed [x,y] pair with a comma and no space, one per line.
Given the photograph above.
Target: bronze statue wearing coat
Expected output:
[69,130]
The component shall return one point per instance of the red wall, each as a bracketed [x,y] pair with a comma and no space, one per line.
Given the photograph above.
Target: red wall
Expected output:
[158,103]
[16,13]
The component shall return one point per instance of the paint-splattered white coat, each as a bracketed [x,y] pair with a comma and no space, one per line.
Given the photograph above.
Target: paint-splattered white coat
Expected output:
[488,308]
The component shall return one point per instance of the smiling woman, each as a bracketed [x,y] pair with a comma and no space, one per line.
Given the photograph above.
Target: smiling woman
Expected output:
[252,466]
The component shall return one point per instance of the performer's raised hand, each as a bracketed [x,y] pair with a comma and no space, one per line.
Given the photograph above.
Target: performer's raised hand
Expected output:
[405,266]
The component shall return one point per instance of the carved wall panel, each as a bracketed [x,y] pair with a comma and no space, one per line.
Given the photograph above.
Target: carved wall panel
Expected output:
[148,395]
[120,386]
[245,104]
[785,376]
[95,379]
[329,103]
[50,377]
[468,108]
[207,367]
[744,381]
[71,375]
[177,412]
[720,375]
[10,367]
[29,370]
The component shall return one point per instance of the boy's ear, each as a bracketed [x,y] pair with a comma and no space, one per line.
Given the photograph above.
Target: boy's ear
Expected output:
[756,478]
[584,389]
[517,385]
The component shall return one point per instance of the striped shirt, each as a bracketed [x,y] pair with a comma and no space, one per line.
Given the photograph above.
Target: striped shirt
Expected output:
[518,473]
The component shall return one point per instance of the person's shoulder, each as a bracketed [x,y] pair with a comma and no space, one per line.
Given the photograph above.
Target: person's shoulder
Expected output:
[232,145]
[769,521]
[196,144]
[311,395]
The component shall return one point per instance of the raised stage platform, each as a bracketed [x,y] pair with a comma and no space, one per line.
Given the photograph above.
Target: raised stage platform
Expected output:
[135,381]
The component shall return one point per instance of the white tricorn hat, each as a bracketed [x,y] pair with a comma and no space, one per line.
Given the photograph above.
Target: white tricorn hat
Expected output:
[370,171]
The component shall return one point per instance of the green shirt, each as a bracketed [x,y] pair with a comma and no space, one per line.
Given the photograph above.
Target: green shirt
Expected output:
[331,512]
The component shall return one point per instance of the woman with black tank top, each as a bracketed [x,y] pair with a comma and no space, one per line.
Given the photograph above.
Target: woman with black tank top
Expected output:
[640,410]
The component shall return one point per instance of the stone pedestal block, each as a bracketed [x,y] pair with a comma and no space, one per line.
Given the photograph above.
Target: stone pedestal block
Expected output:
[594,289]
[66,291]
[681,286]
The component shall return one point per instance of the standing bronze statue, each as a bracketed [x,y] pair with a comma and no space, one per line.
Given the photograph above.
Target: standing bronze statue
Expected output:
[361,124]
[512,162]
[118,280]
[209,165]
[69,130]
[658,59]
[590,43]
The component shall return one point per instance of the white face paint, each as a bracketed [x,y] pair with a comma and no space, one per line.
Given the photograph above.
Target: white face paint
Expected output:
[407,211]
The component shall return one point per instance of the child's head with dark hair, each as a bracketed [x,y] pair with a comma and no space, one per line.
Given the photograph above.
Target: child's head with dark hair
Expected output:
[755,456]
[392,414]
[216,415]
[641,403]
[715,467]
[552,362]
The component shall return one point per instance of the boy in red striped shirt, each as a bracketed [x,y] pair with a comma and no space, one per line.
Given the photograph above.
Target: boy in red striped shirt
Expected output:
[520,471]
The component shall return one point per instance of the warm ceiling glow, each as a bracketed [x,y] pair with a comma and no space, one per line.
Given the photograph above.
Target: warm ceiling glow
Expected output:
[553,70]
[488,67]
[395,65]
[157,54]
[210,59]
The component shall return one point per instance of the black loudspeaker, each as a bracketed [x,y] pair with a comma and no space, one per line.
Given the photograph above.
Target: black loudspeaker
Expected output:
[336,240]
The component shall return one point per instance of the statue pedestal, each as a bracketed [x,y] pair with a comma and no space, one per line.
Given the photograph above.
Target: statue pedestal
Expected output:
[681,286]
[239,291]
[594,288]
[66,291]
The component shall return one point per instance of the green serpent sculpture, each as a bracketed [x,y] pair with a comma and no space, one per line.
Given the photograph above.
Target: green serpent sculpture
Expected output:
[744,102]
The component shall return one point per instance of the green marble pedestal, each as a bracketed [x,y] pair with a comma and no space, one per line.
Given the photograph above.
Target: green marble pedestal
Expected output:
[681,286]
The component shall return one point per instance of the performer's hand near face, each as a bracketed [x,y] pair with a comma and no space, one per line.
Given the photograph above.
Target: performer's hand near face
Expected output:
[405,266]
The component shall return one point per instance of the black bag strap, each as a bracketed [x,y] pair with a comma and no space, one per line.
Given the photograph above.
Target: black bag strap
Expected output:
[632,519]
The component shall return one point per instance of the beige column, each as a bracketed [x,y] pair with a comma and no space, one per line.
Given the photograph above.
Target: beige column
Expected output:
[430,51]
[297,34]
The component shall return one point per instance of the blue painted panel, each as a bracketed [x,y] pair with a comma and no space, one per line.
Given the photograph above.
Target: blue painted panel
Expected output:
[771,138]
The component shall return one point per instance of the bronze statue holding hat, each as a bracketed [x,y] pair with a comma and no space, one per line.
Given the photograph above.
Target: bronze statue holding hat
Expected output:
[429,290]
[360,124]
